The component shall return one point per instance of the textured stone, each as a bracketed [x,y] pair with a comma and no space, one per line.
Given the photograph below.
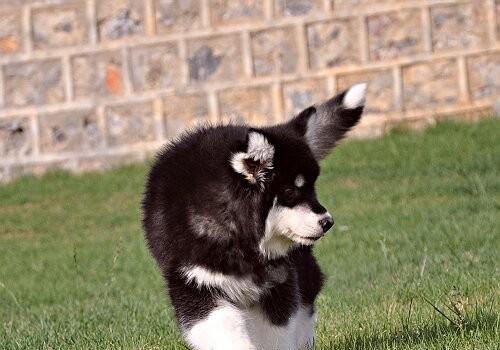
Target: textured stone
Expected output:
[413,124]
[62,25]
[13,3]
[119,18]
[274,51]
[497,10]
[430,84]
[236,11]
[298,7]
[155,66]
[372,130]
[215,58]
[130,123]
[184,111]
[69,131]
[98,75]
[33,83]
[103,163]
[333,43]
[33,73]
[380,93]
[395,34]
[5,174]
[10,32]
[251,105]
[459,26]
[350,5]
[484,75]
[178,15]
[40,168]
[301,94]
[16,137]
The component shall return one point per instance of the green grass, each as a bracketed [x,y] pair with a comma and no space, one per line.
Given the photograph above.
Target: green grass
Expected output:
[412,264]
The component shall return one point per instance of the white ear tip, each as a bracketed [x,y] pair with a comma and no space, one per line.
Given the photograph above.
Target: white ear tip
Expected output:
[355,96]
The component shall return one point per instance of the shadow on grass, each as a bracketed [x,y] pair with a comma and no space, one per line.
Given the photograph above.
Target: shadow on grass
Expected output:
[415,335]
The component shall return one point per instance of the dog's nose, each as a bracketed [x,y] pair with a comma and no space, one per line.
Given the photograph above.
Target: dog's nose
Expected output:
[326,223]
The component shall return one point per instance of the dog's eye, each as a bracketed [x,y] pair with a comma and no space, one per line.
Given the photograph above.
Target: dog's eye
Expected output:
[290,195]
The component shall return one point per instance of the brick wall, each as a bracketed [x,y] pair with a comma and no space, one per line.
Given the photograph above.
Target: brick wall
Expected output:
[87,84]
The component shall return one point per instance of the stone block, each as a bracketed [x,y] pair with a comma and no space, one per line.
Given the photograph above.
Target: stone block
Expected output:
[70,131]
[33,83]
[459,26]
[119,19]
[236,11]
[497,10]
[333,43]
[178,15]
[130,123]
[215,58]
[41,168]
[5,174]
[352,5]
[252,105]
[274,51]
[301,94]
[97,75]
[395,34]
[413,124]
[107,162]
[380,93]
[11,32]
[430,84]
[367,131]
[184,111]
[13,3]
[57,26]
[155,66]
[287,8]
[484,75]
[16,137]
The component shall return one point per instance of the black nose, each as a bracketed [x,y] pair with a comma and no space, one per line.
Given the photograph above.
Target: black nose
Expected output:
[326,224]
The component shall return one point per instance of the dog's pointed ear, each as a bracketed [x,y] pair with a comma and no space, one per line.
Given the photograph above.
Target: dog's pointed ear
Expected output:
[326,124]
[256,163]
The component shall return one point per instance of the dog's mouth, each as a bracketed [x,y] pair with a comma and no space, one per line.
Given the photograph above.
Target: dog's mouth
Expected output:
[313,238]
[305,239]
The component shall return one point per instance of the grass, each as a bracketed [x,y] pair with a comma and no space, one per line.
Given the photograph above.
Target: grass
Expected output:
[412,264]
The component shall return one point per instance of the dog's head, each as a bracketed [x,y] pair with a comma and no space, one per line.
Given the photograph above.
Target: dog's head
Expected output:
[282,163]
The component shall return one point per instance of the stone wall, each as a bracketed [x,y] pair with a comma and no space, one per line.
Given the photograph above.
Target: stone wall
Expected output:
[87,84]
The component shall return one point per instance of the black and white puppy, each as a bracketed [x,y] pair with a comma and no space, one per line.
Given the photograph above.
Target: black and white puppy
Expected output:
[230,215]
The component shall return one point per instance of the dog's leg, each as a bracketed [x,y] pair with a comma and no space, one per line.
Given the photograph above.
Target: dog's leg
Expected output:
[306,321]
[223,329]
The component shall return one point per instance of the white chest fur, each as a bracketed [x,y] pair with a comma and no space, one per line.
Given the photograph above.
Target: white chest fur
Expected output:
[230,328]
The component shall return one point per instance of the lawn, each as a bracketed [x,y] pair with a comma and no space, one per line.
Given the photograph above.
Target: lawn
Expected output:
[413,261]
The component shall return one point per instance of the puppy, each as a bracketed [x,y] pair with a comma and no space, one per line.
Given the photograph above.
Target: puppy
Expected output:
[230,215]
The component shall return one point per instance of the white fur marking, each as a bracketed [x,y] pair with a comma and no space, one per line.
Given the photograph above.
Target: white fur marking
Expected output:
[305,328]
[286,227]
[355,96]
[259,147]
[299,181]
[223,329]
[228,327]
[260,150]
[240,290]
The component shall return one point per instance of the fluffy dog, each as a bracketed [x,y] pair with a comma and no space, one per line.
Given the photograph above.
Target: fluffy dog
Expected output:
[230,215]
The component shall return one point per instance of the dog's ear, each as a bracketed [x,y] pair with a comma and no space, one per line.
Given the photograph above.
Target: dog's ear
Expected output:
[256,163]
[324,125]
